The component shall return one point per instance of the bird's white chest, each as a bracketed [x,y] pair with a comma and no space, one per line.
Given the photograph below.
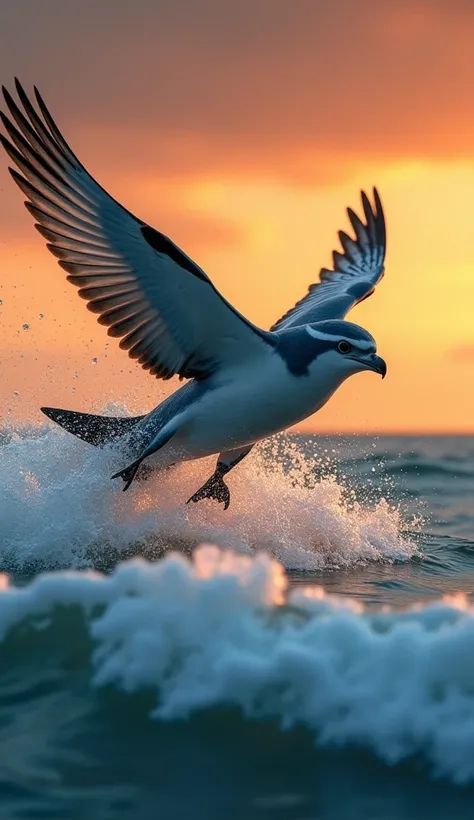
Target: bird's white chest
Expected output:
[254,402]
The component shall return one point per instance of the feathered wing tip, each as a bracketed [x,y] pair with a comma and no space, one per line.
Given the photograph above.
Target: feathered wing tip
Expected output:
[355,273]
[367,250]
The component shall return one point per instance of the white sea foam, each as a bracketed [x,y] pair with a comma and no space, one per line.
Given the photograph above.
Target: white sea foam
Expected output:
[59,508]
[220,629]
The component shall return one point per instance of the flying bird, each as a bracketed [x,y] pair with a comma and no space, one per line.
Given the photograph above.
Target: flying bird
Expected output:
[244,383]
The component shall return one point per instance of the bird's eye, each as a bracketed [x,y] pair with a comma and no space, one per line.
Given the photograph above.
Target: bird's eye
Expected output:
[344,347]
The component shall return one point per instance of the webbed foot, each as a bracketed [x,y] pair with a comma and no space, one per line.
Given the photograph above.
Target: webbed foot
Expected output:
[216,488]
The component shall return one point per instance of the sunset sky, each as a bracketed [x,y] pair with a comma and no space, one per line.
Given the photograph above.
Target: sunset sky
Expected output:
[243,130]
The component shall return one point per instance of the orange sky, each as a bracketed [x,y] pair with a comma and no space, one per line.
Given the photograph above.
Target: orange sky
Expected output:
[243,131]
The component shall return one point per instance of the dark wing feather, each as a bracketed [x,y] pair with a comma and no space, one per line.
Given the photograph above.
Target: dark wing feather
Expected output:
[151,295]
[355,272]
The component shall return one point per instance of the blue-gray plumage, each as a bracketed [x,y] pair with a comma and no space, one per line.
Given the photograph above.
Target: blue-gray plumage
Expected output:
[299,349]
[246,383]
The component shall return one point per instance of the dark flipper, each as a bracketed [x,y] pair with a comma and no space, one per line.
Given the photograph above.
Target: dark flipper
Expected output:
[215,487]
[96,430]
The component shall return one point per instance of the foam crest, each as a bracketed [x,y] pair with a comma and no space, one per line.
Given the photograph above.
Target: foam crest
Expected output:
[221,629]
[59,508]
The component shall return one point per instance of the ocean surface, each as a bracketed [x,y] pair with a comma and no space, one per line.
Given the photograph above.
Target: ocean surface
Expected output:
[306,655]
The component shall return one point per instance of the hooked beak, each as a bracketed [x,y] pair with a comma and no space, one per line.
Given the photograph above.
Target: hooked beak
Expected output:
[375,363]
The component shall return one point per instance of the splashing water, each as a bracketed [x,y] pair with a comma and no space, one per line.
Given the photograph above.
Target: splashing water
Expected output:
[60,509]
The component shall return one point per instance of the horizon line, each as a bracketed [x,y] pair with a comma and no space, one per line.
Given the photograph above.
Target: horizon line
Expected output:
[388,433]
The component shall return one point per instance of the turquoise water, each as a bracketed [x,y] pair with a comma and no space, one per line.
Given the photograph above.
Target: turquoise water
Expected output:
[317,661]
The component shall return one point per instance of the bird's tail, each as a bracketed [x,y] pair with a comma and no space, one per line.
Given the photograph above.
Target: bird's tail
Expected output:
[95,430]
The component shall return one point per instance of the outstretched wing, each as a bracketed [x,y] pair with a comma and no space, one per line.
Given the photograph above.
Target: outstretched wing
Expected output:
[354,276]
[164,308]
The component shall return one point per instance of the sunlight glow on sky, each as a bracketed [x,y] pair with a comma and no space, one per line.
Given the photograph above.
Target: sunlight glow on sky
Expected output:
[263,231]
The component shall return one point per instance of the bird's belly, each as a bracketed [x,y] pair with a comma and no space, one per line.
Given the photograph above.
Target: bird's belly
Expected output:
[265,403]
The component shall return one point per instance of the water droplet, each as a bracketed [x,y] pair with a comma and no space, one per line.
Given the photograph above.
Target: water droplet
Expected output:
[41,316]
[373,469]
[16,394]
[26,326]
[1,302]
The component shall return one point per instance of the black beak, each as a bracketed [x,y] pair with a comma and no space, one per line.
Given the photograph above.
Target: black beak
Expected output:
[378,364]
[375,363]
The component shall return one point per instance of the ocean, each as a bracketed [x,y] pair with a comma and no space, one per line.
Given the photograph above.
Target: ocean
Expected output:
[306,655]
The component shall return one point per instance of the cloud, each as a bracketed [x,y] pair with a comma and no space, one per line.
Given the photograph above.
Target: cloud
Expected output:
[288,90]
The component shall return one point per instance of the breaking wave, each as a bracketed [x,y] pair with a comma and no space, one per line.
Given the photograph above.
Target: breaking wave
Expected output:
[222,630]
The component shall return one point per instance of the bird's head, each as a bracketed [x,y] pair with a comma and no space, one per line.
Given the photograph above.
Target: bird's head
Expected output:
[346,347]
[329,352]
